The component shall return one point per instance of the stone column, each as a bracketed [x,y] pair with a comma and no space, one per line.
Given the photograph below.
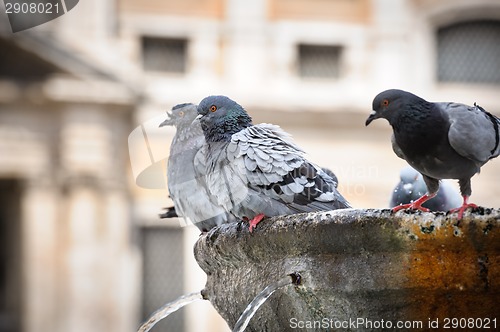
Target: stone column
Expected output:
[245,44]
[100,288]
[40,251]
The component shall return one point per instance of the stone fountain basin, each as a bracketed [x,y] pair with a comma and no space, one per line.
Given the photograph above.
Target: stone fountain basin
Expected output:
[356,265]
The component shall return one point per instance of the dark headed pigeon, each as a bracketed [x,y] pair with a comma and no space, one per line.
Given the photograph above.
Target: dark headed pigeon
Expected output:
[412,186]
[440,140]
[186,172]
[257,170]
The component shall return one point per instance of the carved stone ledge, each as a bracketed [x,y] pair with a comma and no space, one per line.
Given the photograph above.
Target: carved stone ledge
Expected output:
[356,264]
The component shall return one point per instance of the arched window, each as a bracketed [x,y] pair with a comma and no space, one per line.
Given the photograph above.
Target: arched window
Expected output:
[469,52]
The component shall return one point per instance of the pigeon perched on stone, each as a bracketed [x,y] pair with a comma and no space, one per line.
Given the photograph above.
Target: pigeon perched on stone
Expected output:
[412,186]
[440,140]
[257,170]
[186,172]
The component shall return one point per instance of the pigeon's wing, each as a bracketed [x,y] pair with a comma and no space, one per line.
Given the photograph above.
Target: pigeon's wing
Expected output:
[474,133]
[395,147]
[272,164]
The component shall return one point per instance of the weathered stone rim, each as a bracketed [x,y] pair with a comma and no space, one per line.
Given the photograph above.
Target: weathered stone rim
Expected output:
[220,240]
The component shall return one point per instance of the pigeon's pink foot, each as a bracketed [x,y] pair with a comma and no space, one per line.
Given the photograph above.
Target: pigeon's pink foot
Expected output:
[466,205]
[417,205]
[255,221]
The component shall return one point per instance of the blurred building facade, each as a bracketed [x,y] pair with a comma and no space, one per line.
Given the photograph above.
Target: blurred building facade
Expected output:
[81,246]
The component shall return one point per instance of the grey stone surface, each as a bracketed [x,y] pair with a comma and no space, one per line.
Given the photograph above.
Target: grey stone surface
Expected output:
[355,264]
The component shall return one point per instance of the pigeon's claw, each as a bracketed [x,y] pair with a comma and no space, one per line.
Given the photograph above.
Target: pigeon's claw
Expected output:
[255,221]
[466,205]
[417,205]
[410,206]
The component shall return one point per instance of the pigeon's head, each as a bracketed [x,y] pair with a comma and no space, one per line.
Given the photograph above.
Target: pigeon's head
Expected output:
[410,187]
[408,175]
[412,182]
[181,115]
[388,103]
[221,117]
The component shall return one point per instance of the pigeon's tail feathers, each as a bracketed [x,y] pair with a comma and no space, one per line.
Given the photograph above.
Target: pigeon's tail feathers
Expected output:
[338,203]
[474,133]
[208,224]
[496,127]
[169,213]
[318,191]
[330,173]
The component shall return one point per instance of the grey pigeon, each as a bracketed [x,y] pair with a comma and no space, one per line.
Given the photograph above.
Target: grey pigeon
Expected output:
[440,140]
[186,172]
[412,186]
[257,170]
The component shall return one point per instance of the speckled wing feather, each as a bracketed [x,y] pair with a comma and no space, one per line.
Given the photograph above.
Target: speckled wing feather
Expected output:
[474,133]
[265,157]
[412,186]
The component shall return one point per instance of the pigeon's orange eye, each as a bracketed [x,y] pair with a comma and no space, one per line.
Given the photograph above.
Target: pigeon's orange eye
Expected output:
[385,102]
[213,108]
[181,113]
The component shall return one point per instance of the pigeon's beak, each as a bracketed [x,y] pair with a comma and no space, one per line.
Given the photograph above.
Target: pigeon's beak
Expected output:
[168,122]
[197,119]
[373,116]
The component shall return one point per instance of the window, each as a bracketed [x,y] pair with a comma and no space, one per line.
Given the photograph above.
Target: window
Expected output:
[469,52]
[163,273]
[165,55]
[319,61]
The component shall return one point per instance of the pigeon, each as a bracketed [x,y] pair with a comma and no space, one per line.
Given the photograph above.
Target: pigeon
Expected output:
[257,171]
[412,186]
[443,140]
[186,172]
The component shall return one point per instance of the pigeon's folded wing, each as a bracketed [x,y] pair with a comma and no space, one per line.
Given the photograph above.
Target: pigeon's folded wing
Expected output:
[271,163]
[474,133]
